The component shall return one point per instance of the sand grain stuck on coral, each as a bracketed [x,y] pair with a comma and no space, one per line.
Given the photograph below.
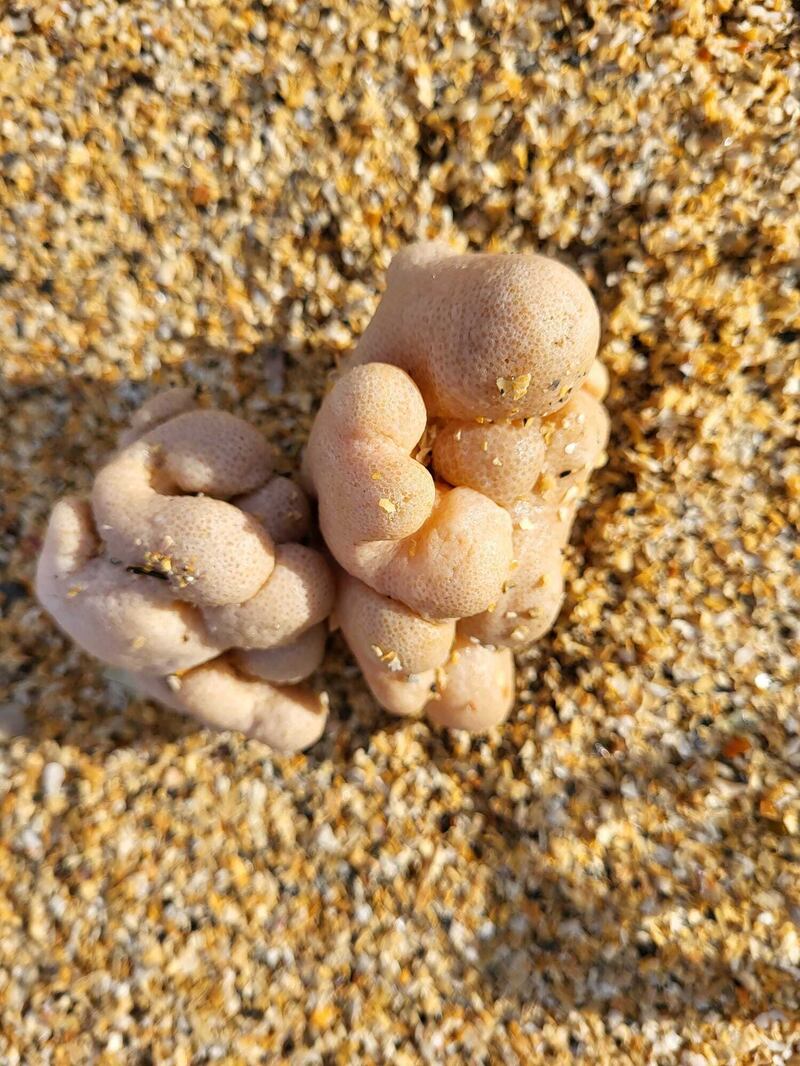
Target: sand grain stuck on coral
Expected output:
[209,195]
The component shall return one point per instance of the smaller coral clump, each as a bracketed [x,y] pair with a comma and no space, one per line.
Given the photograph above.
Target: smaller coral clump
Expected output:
[185,570]
[449,461]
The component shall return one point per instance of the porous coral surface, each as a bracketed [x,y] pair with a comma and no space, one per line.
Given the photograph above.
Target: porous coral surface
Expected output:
[210,195]
[181,569]
[442,493]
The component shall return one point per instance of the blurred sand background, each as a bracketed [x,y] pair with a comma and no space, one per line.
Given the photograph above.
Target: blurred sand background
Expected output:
[207,193]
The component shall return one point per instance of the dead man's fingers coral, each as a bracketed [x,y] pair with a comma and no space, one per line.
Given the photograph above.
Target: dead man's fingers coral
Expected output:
[575,438]
[281,507]
[531,597]
[286,664]
[159,408]
[186,557]
[502,460]
[299,593]
[397,650]
[122,618]
[403,695]
[286,718]
[161,505]
[442,551]
[496,336]
[475,688]
[449,462]
[377,627]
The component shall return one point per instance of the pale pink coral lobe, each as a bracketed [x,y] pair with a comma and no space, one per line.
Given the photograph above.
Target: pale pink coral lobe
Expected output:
[184,570]
[449,461]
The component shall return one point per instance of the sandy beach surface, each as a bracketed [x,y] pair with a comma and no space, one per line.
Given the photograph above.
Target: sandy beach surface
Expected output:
[209,194]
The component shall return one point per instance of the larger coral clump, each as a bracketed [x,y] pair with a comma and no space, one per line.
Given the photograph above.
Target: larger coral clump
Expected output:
[449,460]
[184,569]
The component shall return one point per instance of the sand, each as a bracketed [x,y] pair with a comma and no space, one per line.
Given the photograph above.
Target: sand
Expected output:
[209,194]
